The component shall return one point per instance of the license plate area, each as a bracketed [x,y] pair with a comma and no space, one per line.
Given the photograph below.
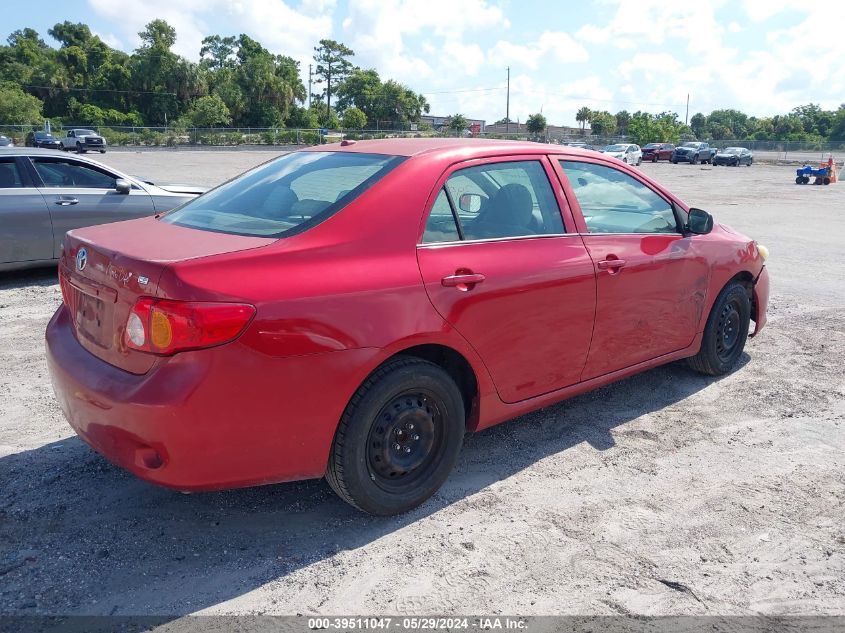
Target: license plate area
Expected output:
[93,311]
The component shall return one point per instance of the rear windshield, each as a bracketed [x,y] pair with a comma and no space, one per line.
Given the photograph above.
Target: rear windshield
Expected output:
[285,196]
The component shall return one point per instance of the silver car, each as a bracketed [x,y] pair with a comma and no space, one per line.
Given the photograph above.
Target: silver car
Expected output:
[44,194]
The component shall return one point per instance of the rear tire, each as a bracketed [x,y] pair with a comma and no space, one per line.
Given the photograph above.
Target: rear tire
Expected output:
[398,439]
[725,333]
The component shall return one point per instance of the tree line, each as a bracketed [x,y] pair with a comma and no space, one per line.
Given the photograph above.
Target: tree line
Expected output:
[237,82]
[807,123]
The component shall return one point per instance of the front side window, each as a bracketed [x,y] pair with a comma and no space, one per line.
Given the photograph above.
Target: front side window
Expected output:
[614,202]
[285,196]
[506,199]
[10,177]
[64,173]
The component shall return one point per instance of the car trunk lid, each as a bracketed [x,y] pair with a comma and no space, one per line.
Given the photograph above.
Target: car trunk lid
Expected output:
[105,269]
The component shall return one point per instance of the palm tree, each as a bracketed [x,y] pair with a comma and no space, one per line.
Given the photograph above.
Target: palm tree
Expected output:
[583,116]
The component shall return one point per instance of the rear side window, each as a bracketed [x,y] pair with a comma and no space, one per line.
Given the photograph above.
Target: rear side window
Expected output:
[441,226]
[285,196]
[495,200]
[9,175]
[65,173]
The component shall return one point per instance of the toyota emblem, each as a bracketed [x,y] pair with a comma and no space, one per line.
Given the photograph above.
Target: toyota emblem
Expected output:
[81,258]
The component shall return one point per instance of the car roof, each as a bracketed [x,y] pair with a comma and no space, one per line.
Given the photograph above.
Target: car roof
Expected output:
[467,148]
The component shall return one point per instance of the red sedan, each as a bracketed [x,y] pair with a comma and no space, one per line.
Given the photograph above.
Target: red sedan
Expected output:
[658,151]
[351,311]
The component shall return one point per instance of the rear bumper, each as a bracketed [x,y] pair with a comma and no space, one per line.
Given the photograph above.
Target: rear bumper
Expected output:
[218,418]
[761,300]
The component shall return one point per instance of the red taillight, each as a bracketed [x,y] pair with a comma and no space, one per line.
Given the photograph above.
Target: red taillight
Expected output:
[161,326]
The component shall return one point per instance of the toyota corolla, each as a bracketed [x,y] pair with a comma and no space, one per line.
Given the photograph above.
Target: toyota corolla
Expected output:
[352,310]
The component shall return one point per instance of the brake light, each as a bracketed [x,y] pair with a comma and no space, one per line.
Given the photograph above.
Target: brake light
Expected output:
[162,326]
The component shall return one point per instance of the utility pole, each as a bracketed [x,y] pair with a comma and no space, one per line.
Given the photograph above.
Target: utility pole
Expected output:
[508,104]
[309,86]
[686,118]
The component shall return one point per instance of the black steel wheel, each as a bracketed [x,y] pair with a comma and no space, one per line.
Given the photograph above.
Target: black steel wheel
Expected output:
[726,331]
[398,439]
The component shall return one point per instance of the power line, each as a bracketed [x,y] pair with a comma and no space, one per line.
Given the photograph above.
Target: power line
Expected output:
[134,92]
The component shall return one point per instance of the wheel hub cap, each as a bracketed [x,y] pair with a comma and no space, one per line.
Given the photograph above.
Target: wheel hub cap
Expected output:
[403,437]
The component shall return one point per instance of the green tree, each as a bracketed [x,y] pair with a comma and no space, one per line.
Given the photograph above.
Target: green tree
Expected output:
[583,116]
[536,124]
[209,111]
[354,119]
[19,108]
[698,124]
[333,65]
[623,119]
[602,123]
[458,123]
[218,52]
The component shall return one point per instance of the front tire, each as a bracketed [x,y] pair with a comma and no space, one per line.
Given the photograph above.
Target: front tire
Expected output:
[398,439]
[725,333]
[79,149]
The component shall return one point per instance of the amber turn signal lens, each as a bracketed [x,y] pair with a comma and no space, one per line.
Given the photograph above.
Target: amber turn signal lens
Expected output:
[161,334]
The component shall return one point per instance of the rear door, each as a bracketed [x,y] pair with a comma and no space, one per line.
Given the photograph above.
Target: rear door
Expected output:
[651,279]
[26,233]
[502,267]
[82,194]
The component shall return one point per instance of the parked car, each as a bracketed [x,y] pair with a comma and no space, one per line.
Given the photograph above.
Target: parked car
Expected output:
[693,152]
[5,141]
[44,194]
[628,153]
[283,326]
[734,156]
[43,139]
[84,140]
[580,145]
[658,151]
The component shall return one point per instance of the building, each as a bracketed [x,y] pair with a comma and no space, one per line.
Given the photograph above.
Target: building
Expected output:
[437,122]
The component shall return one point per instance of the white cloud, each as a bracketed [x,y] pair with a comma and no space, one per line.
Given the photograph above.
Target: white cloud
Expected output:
[553,46]
[274,23]
[379,30]
[759,10]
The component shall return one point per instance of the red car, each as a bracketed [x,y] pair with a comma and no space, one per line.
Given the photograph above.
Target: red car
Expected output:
[658,151]
[351,310]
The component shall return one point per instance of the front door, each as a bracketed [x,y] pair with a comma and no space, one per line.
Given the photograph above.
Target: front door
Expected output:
[501,268]
[25,230]
[81,194]
[651,285]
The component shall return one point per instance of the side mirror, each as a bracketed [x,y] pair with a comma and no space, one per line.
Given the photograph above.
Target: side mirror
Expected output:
[699,222]
[122,186]
[470,202]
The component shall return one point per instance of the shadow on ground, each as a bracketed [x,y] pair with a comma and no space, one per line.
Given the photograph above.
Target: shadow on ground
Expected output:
[84,537]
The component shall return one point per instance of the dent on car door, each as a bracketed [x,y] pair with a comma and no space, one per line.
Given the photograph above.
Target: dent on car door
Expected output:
[80,194]
[651,278]
[26,233]
[500,266]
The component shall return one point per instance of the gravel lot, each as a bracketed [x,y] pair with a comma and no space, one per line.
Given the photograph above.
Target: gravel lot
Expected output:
[667,493]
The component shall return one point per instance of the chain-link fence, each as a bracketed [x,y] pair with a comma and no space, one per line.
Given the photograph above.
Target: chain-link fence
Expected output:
[161,136]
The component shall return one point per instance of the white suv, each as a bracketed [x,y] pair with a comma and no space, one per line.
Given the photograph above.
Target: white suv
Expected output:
[629,153]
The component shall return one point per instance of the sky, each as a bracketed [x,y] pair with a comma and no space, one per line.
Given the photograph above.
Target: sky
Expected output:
[763,57]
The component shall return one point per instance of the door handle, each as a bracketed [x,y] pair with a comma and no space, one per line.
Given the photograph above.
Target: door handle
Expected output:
[66,202]
[462,279]
[611,264]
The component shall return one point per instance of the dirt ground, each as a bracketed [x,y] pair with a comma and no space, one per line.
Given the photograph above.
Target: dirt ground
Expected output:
[667,493]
